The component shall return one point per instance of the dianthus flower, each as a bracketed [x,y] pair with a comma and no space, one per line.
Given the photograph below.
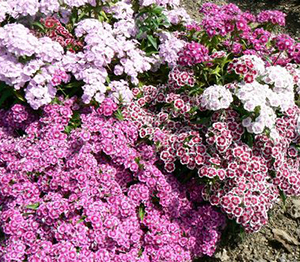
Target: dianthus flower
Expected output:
[270,16]
[216,97]
[193,53]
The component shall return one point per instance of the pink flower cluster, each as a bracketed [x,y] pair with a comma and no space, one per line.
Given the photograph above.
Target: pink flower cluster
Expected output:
[57,32]
[246,67]
[218,148]
[271,16]
[93,193]
[193,53]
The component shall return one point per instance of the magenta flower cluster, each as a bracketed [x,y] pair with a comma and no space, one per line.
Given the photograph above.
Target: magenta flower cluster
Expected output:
[193,53]
[94,194]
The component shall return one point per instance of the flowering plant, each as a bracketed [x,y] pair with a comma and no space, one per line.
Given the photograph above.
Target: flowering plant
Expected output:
[128,130]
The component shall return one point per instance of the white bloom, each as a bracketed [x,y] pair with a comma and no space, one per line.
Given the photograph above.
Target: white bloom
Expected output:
[280,78]
[216,97]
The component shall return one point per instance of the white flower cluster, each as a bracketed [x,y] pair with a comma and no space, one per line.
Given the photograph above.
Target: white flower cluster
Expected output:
[78,3]
[282,83]
[254,97]
[177,15]
[257,96]
[18,40]
[280,78]
[121,92]
[160,2]
[39,91]
[216,97]
[277,92]
[17,8]
[11,70]
[123,12]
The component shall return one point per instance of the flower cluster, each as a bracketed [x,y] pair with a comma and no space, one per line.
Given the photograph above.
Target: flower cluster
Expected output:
[232,141]
[128,131]
[193,53]
[271,16]
[179,77]
[169,48]
[85,192]
[247,66]
[57,32]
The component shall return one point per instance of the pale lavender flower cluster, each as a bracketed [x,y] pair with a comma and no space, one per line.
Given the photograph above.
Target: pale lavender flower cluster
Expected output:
[20,8]
[123,12]
[177,15]
[17,42]
[78,3]
[103,45]
[169,48]
[171,3]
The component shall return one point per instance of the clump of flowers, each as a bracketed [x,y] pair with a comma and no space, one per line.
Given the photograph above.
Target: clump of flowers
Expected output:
[193,53]
[271,16]
[128,131]
[84,192]
[248,67]
[216,97]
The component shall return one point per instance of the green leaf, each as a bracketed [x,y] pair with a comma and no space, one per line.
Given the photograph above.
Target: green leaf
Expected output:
[39,25]
[215,71]
[74,84]
[197,90]
[157,10]
[81,219]
[118,114]
[19,96]
[5,95]
[283,198]
[257,110]
[249,139]
[193,109]
[34,206]
[142,212]
[153,41]
[68,129]
[140,253]
[103,14]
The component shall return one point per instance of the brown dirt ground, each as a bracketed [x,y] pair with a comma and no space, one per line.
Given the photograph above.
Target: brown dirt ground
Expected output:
[263,246]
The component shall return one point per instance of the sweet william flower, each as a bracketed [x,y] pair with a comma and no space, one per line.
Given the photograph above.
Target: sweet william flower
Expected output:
[216,97]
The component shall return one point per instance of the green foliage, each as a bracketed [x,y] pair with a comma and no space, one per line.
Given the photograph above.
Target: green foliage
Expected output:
[142,212]
[74,122]
[10,96]
[150,21]
[34,206]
